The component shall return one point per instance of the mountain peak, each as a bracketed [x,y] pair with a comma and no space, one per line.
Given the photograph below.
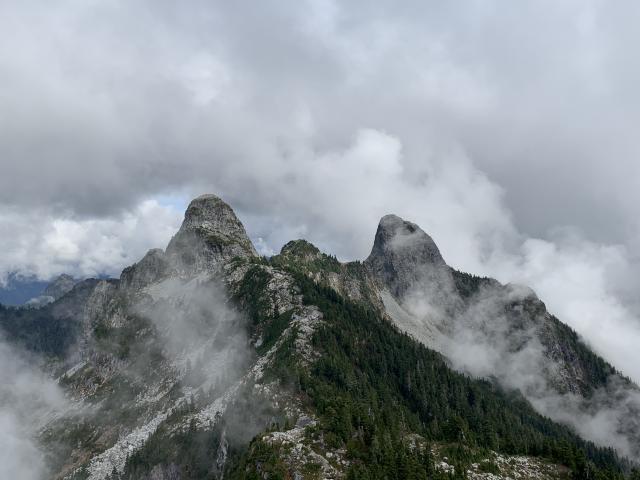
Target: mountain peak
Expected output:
[57,288]
[60,285]
[210,211]
[402,253]
[301,248]
[210,234]
[399,238]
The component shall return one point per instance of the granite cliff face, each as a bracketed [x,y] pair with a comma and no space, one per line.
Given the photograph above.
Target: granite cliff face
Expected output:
[483,328]
[153,267]
[238,365]
[503,332]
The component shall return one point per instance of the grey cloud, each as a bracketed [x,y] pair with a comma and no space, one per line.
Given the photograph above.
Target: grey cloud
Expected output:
[492,126]
[35,244]
[109,104]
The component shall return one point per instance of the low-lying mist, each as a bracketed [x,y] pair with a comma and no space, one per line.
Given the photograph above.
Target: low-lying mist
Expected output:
[202,333]
[505,333]
[29,398]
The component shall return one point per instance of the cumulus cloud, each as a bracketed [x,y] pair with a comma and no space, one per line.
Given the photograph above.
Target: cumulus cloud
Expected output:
[36,244]
[155,95]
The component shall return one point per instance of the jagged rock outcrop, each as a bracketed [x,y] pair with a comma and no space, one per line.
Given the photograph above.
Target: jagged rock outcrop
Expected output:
[445,309]
[210,235]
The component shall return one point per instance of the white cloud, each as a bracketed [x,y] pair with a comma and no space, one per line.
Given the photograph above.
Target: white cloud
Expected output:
[41,245]
[28,397]
[582,283]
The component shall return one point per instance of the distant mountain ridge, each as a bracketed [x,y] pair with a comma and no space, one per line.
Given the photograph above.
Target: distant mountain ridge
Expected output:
[206,360]
[18,290]
[57,288]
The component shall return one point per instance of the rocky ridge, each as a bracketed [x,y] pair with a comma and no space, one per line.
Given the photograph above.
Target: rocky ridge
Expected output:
[163,349]
[526,347]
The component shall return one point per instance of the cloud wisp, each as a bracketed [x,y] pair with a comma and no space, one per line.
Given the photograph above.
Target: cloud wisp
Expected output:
[29,398]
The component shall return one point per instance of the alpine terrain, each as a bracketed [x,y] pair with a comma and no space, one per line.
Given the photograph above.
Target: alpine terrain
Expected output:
[208,361]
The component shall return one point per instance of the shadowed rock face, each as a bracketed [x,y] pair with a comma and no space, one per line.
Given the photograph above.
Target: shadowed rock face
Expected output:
[402,255]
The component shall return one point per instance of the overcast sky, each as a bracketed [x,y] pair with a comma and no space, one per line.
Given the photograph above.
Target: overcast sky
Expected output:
[507,130]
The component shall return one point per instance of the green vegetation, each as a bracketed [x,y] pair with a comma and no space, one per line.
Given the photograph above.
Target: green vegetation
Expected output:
[373,385]
[252,295]
[468,284]
[382,398]
[273,330]
[268,457]
[302,255]
[39,330]
[489,467]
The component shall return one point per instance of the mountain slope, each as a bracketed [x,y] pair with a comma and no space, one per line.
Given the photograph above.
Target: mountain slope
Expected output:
[206,360]
[502,331]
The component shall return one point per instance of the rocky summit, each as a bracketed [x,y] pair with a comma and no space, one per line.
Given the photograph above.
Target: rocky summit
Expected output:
[208,361]
[402,255]
[210,235]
